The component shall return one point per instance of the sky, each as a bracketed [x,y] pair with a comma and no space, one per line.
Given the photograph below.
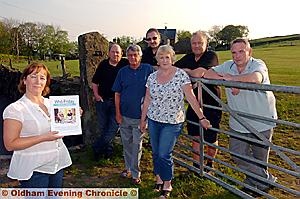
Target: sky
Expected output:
[116,18]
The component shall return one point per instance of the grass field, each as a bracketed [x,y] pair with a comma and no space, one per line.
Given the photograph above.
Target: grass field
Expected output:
[72,67]
[277,40]
[283,63]
[284,69]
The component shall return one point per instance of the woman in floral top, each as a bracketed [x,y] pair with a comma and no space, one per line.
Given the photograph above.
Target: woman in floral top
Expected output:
[164,108]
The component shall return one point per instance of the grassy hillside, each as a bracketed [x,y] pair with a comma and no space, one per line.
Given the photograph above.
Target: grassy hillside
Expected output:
[288,39]
[283,63]
[72,66]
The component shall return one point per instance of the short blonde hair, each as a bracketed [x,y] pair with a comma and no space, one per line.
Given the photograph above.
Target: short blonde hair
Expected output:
[166,49]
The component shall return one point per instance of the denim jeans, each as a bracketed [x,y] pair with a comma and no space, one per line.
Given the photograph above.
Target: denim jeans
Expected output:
[163,137]
[44,180]
[107,125]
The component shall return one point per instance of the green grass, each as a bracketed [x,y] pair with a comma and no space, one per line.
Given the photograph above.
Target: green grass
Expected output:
[279,44]
[106,173]
[283,63]
[277,39]
[72,66]
[284,68]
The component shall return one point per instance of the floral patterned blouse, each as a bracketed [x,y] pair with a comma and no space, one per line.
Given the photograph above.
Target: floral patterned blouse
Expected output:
[167,100]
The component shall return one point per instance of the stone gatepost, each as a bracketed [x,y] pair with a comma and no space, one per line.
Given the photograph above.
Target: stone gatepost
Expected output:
[93,48]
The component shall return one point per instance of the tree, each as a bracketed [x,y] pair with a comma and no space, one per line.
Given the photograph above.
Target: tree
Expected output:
[125,41]
[231,32]
[183,35]
[213,31]
[73,51]
[61,42]
[15,37]
[46,41]
[9,36]
[29,37]
[183,46]
[33,39]
[5,39]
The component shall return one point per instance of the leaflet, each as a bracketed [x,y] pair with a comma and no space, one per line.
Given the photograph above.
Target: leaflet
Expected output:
[65,115]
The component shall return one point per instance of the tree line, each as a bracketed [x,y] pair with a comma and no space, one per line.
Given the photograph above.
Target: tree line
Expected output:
[43,41]
[219,38]
[34,40]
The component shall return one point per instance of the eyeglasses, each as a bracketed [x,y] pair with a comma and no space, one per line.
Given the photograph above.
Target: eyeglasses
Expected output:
[153,38]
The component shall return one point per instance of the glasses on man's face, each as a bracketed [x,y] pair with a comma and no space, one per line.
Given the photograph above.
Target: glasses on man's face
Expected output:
[151,38]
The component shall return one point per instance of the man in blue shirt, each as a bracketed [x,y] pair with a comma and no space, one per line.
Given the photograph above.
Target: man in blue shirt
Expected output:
[130,89]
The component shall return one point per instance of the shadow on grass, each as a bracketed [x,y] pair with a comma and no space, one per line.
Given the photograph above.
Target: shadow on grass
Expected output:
[87,173]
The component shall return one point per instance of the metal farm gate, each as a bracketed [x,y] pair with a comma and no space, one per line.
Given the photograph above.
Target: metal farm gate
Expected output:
[286,157]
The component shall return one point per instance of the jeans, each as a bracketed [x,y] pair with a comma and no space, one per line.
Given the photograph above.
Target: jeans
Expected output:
[43,180]
[107,125]
[163,137]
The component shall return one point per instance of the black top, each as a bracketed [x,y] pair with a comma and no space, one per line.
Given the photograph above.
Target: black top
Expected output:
[105,76]
[148,57]
[188,61]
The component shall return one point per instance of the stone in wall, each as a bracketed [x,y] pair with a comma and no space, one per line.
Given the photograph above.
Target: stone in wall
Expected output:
[9,80]
[93,48]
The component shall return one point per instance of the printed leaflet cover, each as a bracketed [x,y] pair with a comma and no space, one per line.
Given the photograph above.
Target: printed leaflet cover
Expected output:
[65,114]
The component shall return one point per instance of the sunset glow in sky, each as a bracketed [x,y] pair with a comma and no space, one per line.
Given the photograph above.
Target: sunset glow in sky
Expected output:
[114,18]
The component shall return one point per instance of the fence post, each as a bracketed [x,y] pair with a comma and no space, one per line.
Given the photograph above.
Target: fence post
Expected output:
[201,138]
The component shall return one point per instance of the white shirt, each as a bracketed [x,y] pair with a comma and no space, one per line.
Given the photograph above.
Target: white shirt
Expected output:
[45,157]
[250,101]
